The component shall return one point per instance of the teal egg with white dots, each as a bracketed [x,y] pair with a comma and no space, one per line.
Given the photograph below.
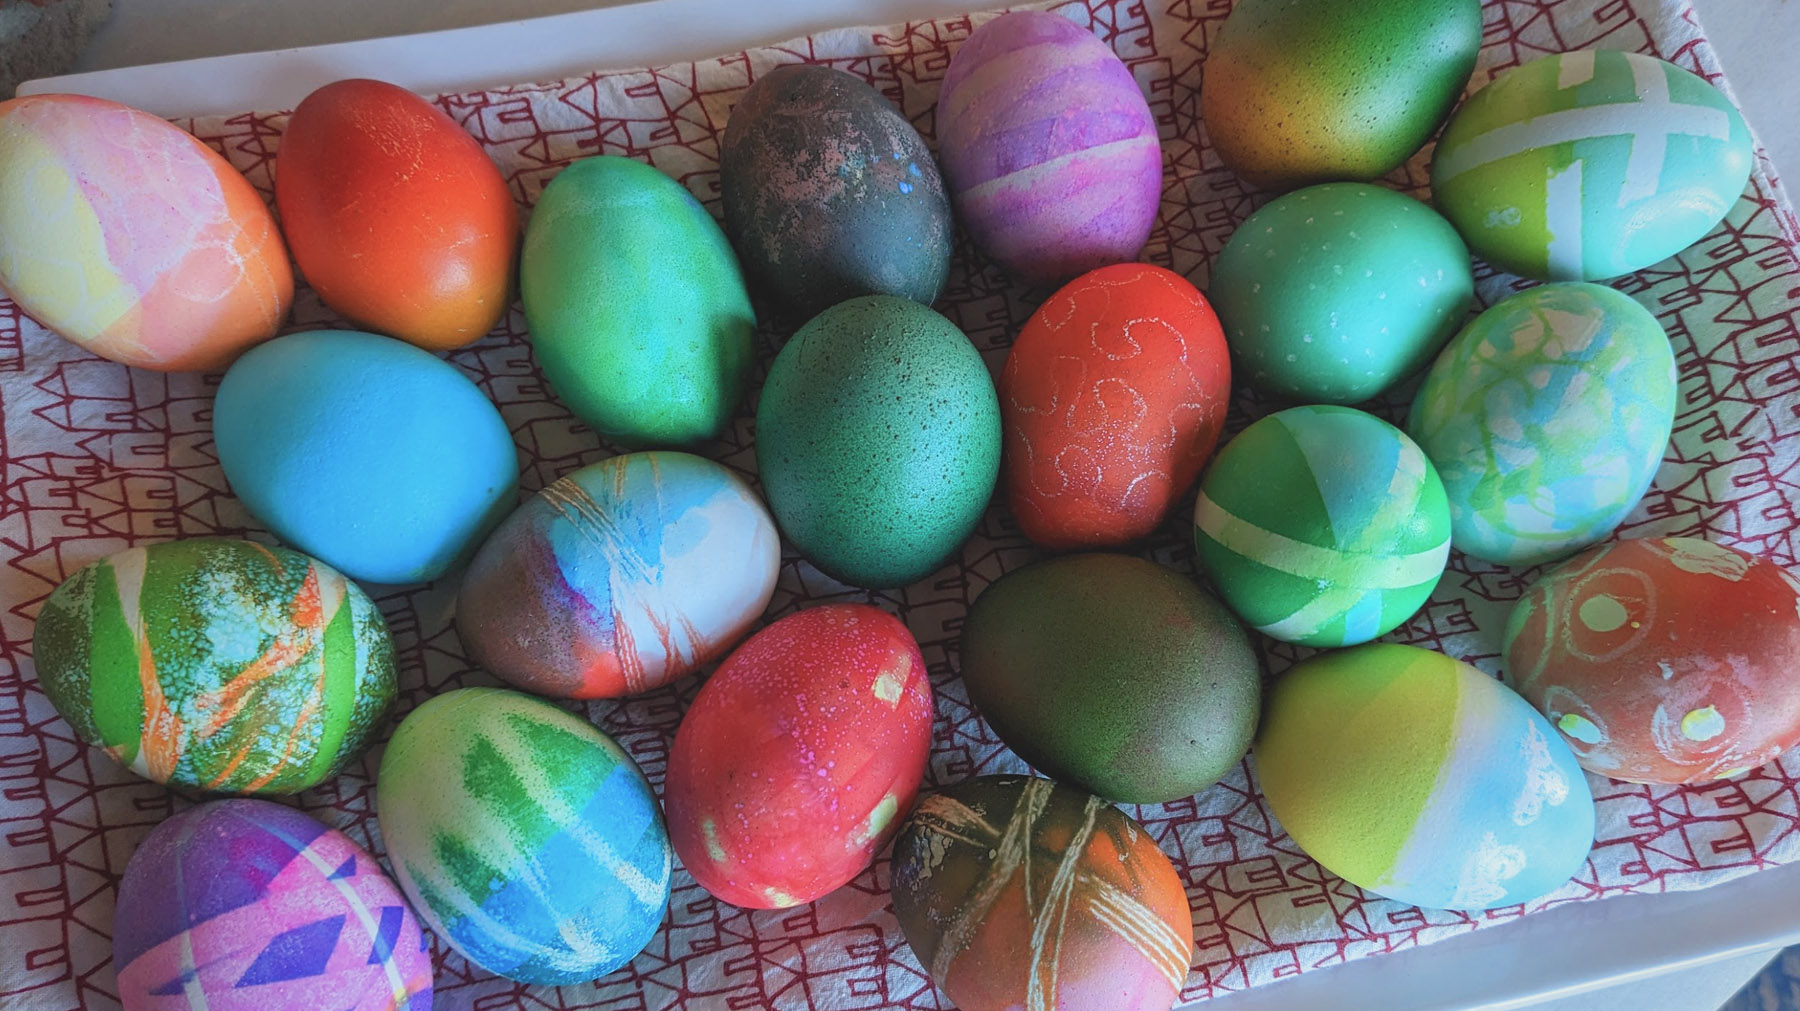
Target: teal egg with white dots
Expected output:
[1547,418]
[1323,526]
[1588,165]
[1333,293]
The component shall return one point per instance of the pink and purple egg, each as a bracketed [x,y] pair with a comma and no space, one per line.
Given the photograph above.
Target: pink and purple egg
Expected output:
[1049,147]
[247,905]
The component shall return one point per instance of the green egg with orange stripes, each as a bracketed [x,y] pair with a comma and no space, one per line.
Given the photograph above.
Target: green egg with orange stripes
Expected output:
[218,665]
[1322,526]
[1587,165]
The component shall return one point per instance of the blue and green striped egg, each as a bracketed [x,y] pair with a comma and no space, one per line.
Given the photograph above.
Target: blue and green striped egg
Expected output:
[1587,165]
[1323,526]
[525,837]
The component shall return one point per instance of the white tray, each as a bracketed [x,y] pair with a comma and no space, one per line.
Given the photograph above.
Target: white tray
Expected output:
[1562,952]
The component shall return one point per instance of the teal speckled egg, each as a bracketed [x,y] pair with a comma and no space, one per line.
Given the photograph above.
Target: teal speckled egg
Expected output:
[878,439]
[638,312]
[1323,526]
[1547,418]
[1587,165]
[1334,293]
[1298,93]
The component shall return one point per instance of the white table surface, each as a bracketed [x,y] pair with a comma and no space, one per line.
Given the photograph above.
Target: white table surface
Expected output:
[1683,952]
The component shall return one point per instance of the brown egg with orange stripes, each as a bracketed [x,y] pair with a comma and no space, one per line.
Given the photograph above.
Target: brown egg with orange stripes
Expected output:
[1014,891]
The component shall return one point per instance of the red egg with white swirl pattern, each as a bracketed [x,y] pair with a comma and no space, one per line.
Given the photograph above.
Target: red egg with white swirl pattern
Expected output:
[1112,398]
[1663,660]
[795,762]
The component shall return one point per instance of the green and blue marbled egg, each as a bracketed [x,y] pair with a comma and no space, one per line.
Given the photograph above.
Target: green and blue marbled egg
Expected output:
[1547,417]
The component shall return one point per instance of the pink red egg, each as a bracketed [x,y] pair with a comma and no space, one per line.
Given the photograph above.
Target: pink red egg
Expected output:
[245,905]
[1663,660]
[1049,148]
[132,239]
[1112,398]
[795,762]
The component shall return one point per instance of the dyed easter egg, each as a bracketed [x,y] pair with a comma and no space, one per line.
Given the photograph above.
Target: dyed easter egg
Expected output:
[1547,417]
[1049,148]
[1334,293]
[1663,660]
[1113,674]
[217,664]
[1323,526]
[371,454]
[638,312]
[395,215]
[524,837]
[1111,399]
[1420,778]
[982,868]
[830,193]
[795,760]
[132,239]
[244,905]
[620,577]
[878,440]
[1303,93]
[1587,165]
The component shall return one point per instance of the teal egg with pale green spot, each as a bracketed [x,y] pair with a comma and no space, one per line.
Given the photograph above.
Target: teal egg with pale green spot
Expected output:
[1334,293]
[878,440]
[638,312]
[1323,526]
[217,664]
[1547,418]
[523,836]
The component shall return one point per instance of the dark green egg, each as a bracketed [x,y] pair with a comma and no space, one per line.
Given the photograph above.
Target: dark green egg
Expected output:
[1113,674]
[878,439]
[830,193]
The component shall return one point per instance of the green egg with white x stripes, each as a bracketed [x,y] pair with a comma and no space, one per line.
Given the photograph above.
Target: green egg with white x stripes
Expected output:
[1323,526]
[525,837]
[1587,165]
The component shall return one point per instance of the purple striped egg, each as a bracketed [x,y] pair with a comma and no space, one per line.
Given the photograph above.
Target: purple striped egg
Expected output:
[245,905]
[1049,147]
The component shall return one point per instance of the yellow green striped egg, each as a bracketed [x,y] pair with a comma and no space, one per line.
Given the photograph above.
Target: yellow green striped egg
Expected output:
[217,664]
[1323,526]
[524,836]
[1418,777]
[1586,165]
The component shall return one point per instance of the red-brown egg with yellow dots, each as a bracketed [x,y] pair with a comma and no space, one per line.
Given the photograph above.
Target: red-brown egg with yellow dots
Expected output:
[1663,660]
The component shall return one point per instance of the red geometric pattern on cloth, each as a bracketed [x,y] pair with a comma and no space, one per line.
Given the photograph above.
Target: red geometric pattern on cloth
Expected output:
[95,457]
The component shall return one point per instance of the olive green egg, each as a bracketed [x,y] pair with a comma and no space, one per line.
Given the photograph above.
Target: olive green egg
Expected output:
[1296,93]
[878,440]
[638,312]
[1114,674]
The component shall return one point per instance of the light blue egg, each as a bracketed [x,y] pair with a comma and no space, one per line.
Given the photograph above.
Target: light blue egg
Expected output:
[1547,418]
[368,453]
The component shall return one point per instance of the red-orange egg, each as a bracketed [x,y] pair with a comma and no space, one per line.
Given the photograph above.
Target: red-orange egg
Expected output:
[395,215]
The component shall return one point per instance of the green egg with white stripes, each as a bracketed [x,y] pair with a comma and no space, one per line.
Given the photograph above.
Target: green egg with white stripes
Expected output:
[1587,165]
[1322,526]
[523,836]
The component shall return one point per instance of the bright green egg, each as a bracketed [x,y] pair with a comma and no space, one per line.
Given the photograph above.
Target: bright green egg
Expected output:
[1333,293]
[638,312]
[878,439]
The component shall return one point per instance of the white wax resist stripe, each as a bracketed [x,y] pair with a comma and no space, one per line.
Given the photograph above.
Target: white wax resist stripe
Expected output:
[1562,217]
[1309,561]
[1651,120]
[1644,168]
